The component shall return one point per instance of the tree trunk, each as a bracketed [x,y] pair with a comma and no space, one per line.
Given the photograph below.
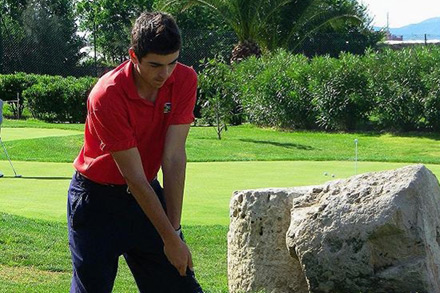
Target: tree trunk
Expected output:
[244,50]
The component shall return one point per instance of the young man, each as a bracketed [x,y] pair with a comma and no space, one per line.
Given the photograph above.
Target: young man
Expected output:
[138,120]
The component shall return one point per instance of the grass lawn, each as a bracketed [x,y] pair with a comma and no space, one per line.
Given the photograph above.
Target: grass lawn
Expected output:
[243,143]
[34,256]
[32,123]
[9,134]
[41,193]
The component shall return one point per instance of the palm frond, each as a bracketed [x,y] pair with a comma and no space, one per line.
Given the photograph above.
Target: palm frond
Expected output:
[274,9]
[218,6]
[266,22]
[334,22]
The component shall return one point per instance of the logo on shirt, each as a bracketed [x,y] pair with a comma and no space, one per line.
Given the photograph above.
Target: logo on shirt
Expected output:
[167,108]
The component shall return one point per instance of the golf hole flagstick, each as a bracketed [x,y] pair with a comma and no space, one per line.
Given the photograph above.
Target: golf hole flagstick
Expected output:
[1,142]
[356,156]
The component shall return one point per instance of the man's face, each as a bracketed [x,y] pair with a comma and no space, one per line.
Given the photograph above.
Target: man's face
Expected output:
[155,69]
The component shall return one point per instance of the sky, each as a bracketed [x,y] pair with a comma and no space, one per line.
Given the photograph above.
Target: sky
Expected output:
[401,12]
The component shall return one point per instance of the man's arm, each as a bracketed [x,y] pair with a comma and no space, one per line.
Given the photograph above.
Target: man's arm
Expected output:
[173,168]
[130,165]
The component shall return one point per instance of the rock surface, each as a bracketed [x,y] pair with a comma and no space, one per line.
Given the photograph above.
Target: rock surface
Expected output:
[258,258]
[375,232]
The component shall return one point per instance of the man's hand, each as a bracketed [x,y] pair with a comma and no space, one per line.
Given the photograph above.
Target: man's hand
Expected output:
[178,255]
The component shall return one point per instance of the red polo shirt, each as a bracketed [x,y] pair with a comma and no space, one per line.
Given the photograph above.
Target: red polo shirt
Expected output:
[119,119]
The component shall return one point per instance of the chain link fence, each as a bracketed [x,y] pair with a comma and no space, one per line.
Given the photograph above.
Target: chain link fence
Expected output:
[18,54]
[199,45]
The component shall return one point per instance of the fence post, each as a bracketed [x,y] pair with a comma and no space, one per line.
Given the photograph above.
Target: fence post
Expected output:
[1,50]
[94,46]
[1,40]
[426,40]
[18,106]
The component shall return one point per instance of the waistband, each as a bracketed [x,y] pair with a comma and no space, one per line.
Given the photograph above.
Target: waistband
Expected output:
[118,187]
[121,187]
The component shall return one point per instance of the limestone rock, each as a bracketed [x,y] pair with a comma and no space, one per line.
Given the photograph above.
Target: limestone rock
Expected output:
[258,258]
[375,232]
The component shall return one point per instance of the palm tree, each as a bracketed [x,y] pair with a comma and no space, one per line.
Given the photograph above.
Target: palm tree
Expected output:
[268,24]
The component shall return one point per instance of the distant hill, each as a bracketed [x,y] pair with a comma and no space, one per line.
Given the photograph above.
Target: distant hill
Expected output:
[417,31]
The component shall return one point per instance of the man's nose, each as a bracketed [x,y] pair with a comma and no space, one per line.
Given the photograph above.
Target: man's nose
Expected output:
[165,72]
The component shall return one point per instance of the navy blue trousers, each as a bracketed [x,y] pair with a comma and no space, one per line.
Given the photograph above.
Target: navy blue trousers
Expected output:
[105,222]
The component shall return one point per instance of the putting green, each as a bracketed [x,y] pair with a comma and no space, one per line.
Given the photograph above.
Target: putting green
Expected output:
[29,133]
[41,192]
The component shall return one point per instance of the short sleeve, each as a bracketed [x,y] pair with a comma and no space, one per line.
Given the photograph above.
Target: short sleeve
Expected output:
[109,120]
[185,99]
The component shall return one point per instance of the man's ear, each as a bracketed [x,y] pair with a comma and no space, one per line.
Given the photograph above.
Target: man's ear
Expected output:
[133,56]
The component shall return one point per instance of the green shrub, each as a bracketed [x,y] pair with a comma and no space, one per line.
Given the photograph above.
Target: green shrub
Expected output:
[10,112]
[50,98]
[432,101]
[340,92]
[277,95]
[389,90]
[218,94]
[13,84]
[397,85]
[46,99]
[57,99]
[399,108]
[7,111]
[242,75]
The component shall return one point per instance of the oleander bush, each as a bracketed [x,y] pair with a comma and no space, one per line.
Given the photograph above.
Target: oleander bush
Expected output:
[431,106]
[277,94]
[398,87]
[381,90]
[340,92]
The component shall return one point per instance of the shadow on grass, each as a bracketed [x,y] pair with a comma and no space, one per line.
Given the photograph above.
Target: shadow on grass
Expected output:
[37,177]
[410,134]
[281,144]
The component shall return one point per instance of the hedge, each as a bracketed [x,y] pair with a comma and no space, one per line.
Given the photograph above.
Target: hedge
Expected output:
[12,85]
[278,89]
[49,98]
[386,90]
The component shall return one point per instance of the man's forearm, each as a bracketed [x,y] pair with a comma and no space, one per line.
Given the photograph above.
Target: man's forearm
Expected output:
[130,165]
[174,248]
[150,204]
[174,182]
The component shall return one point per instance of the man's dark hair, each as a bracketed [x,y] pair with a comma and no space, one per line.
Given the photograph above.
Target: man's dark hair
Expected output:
[155,32]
